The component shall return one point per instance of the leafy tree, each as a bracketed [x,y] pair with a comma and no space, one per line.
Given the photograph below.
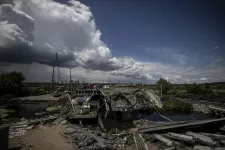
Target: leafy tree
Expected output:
[196,89]
[12,83]
[187,88]
[207,89]
[207,86]
[164,84]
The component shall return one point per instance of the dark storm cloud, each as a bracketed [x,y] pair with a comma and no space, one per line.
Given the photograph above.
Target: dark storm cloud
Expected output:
[6,2]
[28,54]
[31,32]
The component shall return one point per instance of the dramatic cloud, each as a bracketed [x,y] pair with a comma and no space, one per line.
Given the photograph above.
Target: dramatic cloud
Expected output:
[132,69]
[34,31]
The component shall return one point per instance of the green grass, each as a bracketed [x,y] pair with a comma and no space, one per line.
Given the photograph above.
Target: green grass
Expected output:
[177,106]
[220,91]
[5,112]
[55,108]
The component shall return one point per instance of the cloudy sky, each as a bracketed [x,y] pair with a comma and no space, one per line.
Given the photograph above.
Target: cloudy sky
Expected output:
[120,41]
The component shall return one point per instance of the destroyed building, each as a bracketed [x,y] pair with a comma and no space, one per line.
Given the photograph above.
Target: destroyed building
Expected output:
[88,103]
[138,99]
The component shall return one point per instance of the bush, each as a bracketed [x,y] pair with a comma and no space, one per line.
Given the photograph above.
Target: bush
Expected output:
[177,106]
[5,112]
[165,98]
[11,83]
[164,84]
[36,91]
[180,94]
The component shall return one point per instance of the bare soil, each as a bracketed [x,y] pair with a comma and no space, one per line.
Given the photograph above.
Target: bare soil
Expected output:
[42,138]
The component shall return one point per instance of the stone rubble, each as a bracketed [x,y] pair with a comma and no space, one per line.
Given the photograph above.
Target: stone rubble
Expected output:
[201,108]
[197,147]
[93,139]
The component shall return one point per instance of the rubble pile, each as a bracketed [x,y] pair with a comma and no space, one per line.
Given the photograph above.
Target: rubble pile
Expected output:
[201,108]
[91,138]
[94,138]
[20,128]
[186,141]
[134,100]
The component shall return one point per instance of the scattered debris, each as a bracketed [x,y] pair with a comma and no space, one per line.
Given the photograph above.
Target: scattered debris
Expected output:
[134,100]
[17,132]
[201,108]
[219,148]
[139,142]
[94,137]
[58,120]
[163,140]
[171,148]
[30,127]
[202,147]
[64,122]
[178,125]
[214,136]
[69,130]
[203,139]
[180,137]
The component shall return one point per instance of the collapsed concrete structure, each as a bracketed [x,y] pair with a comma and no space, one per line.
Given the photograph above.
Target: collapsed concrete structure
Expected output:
[89,103]
[138,99]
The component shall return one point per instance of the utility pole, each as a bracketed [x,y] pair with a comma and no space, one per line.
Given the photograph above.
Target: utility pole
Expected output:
[53,79]
[161,90]
[58,71]
[70,79]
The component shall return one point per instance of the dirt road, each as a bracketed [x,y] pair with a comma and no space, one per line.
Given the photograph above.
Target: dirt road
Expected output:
[44,138]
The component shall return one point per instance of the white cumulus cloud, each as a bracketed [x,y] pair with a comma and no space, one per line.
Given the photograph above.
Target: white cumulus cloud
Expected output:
[42,28]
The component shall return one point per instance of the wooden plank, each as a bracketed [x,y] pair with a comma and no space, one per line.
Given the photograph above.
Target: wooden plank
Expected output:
[163,140]
[100,122]
[135,141]
[182,125]
[160,124]
[214,136]
[146,146]
[201,138]
[221,109]
[83,116]
[180,137]
[139,142]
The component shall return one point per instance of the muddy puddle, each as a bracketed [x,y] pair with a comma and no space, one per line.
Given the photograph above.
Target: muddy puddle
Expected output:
[28,110]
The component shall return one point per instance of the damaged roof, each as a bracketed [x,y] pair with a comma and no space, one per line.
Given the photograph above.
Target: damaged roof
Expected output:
[128,100]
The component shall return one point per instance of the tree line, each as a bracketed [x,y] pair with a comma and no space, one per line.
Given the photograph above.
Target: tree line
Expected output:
[166,86]
[12,85]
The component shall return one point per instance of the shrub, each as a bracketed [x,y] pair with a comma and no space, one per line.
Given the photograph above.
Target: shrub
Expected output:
[177,106]
[165,98]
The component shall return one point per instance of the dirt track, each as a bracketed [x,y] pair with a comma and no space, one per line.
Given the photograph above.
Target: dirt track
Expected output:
[43,138]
